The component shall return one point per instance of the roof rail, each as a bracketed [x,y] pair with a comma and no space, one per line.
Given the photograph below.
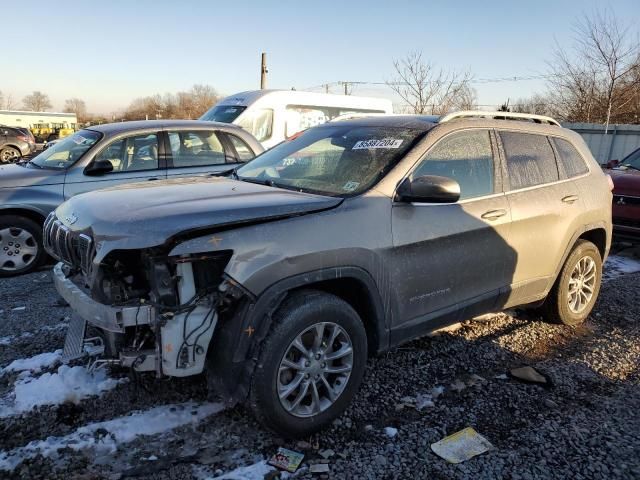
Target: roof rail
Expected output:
[500,115]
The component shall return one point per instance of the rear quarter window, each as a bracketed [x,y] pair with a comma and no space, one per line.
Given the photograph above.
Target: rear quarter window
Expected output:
[530,159]
[570,159]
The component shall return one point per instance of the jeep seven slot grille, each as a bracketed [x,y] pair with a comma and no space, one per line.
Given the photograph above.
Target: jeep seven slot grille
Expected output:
[66,246]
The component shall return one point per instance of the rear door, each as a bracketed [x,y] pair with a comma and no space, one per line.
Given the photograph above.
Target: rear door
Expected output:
[544,207]
[135,157]
[204,152]
[450,260]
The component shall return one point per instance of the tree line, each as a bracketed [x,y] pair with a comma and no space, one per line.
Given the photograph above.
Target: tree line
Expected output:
[189,104]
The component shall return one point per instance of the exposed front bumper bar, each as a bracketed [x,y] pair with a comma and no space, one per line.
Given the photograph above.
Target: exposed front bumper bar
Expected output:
[110,318]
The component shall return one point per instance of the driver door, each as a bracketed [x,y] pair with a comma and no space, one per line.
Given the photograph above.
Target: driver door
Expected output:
[137,157]
[451,260]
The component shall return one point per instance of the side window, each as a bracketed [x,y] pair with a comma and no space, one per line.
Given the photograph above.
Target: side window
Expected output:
[242,149]
[197,148]
[139,152]
[257,122]
[465,157]
[530,159]
[571,160]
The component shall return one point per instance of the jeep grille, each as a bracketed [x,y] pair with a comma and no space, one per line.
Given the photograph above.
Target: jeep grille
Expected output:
[65,246]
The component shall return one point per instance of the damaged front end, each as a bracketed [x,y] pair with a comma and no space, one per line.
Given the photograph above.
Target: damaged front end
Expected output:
[144,310]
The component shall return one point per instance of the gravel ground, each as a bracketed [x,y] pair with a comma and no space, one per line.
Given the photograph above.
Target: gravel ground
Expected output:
[585,425]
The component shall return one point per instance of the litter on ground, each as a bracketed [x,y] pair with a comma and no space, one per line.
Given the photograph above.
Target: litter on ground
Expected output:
[529,375]
[461,446]
[287,460]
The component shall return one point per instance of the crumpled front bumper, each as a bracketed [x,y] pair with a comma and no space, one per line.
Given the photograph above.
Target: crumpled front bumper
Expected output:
[110,318]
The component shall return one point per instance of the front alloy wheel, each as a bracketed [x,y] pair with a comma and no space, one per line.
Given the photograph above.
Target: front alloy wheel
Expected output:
[310,364]
[315,369]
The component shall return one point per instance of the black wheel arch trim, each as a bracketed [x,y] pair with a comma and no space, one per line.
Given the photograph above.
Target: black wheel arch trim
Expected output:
[235,347]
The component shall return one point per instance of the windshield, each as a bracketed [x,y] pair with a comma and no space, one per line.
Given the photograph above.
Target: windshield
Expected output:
[67,151]
[334,160]
[632,160]
[224,114]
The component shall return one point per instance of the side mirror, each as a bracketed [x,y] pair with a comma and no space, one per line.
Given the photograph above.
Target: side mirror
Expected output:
[429,189]
[612,164]
[98,167]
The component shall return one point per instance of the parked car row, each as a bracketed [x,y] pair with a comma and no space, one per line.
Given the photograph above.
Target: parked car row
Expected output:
[626,195]
[279,276]
[104,156]
[15,142]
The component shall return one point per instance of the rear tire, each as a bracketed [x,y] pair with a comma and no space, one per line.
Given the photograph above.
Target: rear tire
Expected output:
[576,289]
[21,249]
[323,380]
[9,155]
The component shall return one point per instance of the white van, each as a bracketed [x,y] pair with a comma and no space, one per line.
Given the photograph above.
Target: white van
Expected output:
[275,115]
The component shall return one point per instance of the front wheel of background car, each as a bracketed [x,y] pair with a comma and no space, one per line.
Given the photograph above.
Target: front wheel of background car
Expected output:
[21,248]
[311,364]
[577,287]
[9,155]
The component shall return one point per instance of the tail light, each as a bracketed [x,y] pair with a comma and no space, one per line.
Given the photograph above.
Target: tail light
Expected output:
[610,182]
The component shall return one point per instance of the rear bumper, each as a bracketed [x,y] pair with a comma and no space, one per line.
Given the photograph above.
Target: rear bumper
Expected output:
[110,318]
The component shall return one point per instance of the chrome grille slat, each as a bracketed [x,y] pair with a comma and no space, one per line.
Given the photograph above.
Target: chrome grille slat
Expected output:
[65,246]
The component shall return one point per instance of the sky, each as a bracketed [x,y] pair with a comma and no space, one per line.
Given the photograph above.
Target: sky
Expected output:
[110,52]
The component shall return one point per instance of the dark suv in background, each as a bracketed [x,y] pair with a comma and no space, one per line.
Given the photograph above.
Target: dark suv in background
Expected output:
[15,143]
[348,239]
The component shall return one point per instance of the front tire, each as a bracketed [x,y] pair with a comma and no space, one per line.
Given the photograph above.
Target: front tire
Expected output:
[9,155]
[577,287]
[21,249]
[311,364]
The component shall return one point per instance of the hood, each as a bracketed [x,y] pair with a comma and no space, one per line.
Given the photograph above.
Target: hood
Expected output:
[13,175]
[141,215]
[625,181]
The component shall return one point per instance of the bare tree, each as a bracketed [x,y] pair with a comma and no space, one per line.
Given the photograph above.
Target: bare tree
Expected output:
[1,100]
[9,103]
[537,104]
[37,101]
[427,89]
[595,81]
[77,106]
[188,105]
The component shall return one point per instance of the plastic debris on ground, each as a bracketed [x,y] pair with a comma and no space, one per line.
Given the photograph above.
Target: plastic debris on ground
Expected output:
[326,454]
[529,375]
[319,468]
[461,446]
[287,460]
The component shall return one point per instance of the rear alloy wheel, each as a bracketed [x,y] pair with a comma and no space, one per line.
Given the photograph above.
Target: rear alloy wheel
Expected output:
[9,155]
[20,245]
[576,289]
[311,364]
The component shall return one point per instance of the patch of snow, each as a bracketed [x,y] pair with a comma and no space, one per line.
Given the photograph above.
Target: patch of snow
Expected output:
[104,437]
[424,400]
[390,432]
[68,384]
[18,309]
[47,328]
[437,391]
[618,265]
[33,364]
[255,471]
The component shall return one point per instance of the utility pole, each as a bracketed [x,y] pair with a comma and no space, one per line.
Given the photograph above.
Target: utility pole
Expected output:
[263,72]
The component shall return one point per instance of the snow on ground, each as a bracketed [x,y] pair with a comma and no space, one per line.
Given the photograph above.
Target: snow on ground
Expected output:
[617,265]
[33,364]
[105,437]
[255,471]
[68,384]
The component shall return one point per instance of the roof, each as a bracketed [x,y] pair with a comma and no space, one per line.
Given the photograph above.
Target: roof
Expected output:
[119,127]
[418,122]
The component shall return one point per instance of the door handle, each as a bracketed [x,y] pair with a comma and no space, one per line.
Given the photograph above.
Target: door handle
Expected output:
[493,214]
[570,199]
[152,179]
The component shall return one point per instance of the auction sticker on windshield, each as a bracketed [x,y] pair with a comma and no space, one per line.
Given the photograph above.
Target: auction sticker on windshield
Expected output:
[373,143]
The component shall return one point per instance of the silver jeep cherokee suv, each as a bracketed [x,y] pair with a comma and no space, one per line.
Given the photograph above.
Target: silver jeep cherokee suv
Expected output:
[278,278]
